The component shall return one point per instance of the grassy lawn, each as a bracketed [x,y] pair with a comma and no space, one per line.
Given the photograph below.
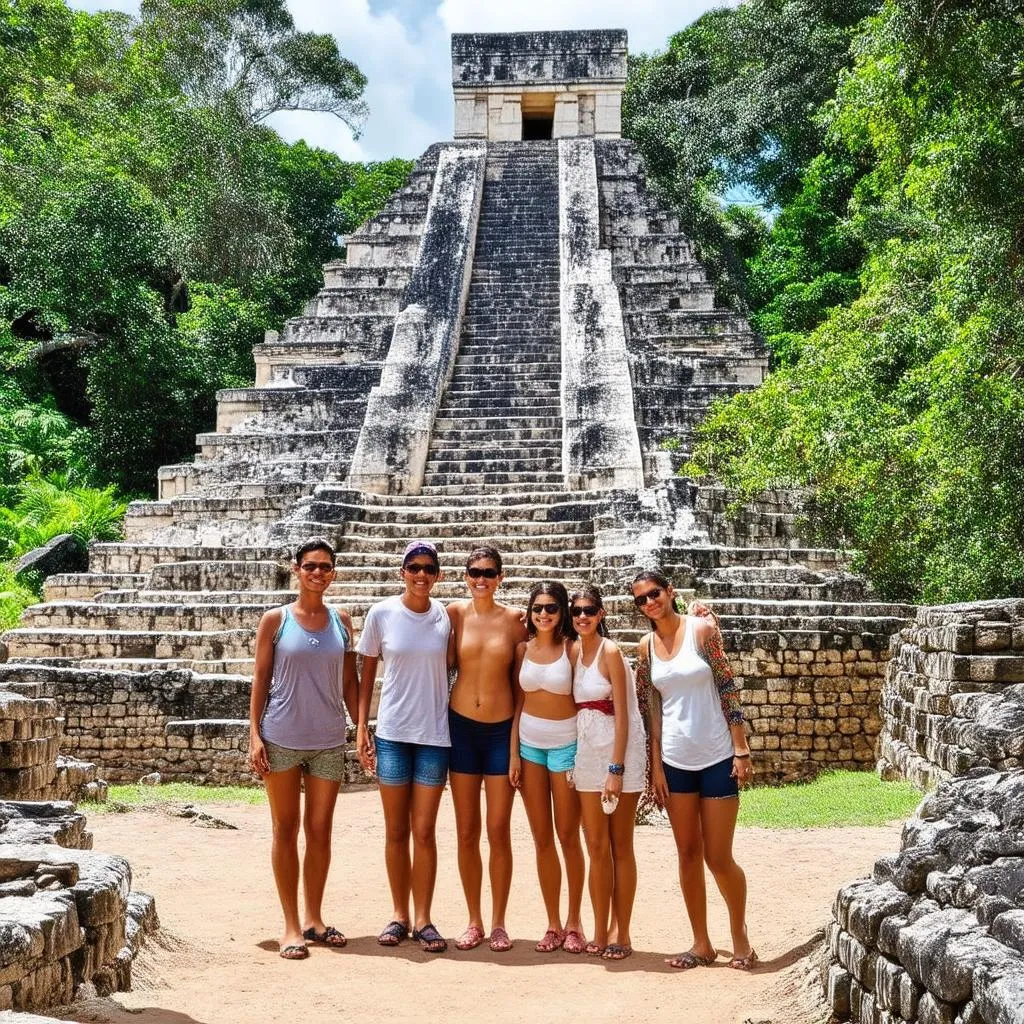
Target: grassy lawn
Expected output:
[833,800]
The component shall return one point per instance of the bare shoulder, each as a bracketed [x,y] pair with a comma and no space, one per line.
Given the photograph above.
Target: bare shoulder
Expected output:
[456,610]
[271,619]
[346,619]
[611,651]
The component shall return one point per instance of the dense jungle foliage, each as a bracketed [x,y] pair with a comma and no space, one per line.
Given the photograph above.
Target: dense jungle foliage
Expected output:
[151,227]
[884,141]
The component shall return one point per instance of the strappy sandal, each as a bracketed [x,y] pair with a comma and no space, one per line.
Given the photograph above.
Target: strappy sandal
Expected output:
[551,941]
[500,942]
[295,951]
[688,960]
[470,938]
[330,936]
[394,932]
[593,949]
[616,951]
[574,942]
[430,939]
[744,963]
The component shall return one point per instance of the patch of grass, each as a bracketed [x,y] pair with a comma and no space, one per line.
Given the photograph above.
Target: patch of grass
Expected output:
[124,797]
[833,800]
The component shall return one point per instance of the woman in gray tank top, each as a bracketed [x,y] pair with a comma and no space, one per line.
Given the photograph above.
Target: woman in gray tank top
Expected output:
[305,674]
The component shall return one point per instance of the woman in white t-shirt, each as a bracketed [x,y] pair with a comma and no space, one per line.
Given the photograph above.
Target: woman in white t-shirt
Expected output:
[412,633]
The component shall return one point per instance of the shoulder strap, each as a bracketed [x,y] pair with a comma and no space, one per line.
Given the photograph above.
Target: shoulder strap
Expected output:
[336,619]
[285,616]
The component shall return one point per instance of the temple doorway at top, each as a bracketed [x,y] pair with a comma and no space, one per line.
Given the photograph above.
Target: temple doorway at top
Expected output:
[538,115]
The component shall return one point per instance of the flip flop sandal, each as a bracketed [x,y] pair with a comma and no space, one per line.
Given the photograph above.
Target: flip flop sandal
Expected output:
[593,949]
[394,932]
[574,942]
[744,963]
[552,940]
[500,942]
[295,951]
[688,960]
[470,938]
[330,936]
[616,951]
[430,939]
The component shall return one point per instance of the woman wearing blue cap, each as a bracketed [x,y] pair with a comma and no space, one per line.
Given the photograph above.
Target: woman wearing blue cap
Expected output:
[412,633]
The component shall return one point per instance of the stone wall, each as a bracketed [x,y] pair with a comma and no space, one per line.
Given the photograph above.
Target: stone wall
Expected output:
[954,694]
[936,934]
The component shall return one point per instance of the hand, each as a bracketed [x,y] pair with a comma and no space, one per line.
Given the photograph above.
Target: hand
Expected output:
[742,770]
[515,770]
[365,749]
[659,784]
[612,786]
[259,763]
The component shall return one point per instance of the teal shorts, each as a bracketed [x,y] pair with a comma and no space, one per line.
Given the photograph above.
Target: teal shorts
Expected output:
[557,759]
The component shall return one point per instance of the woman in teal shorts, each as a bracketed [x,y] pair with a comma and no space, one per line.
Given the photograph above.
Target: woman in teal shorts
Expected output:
[543,750]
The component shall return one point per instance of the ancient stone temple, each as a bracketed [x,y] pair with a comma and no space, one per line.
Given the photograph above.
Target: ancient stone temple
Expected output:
[516,351]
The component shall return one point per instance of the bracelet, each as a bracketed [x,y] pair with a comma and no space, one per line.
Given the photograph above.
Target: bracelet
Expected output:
[742,757]
[616,769]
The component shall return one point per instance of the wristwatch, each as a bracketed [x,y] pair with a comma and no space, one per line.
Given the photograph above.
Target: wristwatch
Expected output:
[616,769]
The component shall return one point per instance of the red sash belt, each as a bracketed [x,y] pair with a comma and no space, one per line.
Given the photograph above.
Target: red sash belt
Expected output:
[606,707]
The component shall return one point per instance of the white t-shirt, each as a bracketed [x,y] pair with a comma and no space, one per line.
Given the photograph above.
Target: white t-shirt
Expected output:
[414,692]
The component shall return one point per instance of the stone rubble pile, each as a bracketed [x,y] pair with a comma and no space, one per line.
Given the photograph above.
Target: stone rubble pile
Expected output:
[936,934]
[953,697]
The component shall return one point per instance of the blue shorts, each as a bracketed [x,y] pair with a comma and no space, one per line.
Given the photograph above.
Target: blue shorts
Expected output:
[713,783]
[557,759]
[399,763]
[479,748]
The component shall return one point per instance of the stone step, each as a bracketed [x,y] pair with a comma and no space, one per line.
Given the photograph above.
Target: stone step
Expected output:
[817,609]
[494,465]
[366,333]
[258,446]
[546,450]
[583,500]
[508,481]
[487,424]
[338,274]
[122,557]
[544,404]
[462,526]
[84,586]
[502,540]
[470,440]
[479,487]
[339,301]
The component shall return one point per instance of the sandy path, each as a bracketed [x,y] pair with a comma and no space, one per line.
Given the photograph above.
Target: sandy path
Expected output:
[219,963]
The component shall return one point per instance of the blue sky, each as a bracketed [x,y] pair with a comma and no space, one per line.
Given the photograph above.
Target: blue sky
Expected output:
[402,46]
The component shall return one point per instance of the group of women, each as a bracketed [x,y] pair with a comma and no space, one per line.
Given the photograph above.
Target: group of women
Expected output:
[543,704]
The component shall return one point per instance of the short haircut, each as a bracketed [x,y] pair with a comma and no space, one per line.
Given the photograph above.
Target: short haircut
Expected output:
[314,544]
[484,551]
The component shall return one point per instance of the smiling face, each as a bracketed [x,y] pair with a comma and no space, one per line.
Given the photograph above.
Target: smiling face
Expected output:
[653,599]
[545,613]
[315,570]
[482,577]
[586,615]
[420,574]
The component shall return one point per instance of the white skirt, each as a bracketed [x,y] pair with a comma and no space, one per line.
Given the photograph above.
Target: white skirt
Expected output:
[595,741]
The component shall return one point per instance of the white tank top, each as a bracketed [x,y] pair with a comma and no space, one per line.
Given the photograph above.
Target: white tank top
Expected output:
[694,732]
[588,683]
[555,677]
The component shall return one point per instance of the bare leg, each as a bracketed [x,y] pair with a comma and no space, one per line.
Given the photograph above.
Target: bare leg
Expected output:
[283,790]
[624,860]
[684,815]
[396,801]
[499,794]
[718,825]
[537,800]
[595,830]
[425,802]
[567,824]
[466,797]
[317,822]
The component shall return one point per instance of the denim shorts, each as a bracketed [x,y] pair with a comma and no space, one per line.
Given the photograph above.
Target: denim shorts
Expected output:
[400,763]
[713,783]
[479,748]
[322,764]
[557,759]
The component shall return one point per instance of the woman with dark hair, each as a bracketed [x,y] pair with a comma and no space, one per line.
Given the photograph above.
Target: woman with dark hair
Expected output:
[480,722]
[542,754]
[611,759]
[699,758]
[304,675]
[413,635]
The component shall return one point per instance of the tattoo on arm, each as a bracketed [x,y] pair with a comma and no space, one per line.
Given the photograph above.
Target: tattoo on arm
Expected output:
[728,691]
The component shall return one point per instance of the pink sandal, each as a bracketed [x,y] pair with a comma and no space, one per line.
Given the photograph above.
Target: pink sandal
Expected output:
[552,940]
[574,942]
[500,942]
[470,938]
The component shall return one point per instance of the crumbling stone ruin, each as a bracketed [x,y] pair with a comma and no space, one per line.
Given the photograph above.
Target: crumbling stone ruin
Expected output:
[69,921]
[501,358]
[936,934]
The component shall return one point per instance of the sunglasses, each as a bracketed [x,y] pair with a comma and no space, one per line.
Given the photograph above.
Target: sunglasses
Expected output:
[549,608]
[415,568]
[487,574]
[590,610]
[641,599]
[317,567]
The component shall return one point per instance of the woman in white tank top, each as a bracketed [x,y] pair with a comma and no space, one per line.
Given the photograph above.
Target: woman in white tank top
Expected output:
[699,757]
[610,762]
[541,758]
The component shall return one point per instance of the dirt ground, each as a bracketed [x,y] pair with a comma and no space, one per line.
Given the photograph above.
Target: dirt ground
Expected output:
[216,959]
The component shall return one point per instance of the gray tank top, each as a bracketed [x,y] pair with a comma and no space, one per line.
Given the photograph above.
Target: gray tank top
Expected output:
[305,710]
